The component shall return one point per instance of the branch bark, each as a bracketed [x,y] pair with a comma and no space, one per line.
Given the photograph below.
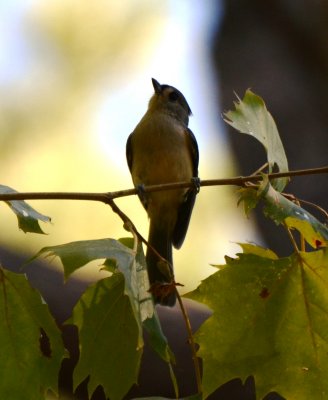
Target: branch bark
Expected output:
[109,196]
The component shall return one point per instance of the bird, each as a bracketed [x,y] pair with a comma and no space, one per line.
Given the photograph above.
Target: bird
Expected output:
[162,149]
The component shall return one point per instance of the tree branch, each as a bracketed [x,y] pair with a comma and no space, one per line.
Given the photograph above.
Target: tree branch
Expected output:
[109,196]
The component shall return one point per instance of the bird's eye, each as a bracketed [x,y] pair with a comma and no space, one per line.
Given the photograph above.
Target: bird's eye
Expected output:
[173,96]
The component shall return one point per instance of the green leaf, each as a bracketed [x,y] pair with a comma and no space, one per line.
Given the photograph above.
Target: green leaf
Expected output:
[110,350]
[28,218]
[136,279]
[270,320]
[25,372]
[192,397]
[119,258]
[282,210]
[157,339]
[75,255]
[250,198]
[252,117]
[137,287]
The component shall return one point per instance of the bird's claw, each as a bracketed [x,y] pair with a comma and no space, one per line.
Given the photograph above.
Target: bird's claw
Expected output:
[196,183]
[142,194]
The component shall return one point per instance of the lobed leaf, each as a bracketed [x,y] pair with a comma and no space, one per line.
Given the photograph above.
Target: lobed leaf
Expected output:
[137,288]
[110,350]
[192,397]
[270,320]
[252,117]
[111,313]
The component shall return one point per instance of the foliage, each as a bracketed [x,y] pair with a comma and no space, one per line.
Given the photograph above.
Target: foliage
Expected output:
[28,218]
[280,333]
[251,117]
[24,368]
[270,314]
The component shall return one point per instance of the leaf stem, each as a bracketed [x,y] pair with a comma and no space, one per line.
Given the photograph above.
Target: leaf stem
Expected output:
[292,239]
[192,344]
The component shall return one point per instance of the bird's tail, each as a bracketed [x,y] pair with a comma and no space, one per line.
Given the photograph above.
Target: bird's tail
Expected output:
[159,272]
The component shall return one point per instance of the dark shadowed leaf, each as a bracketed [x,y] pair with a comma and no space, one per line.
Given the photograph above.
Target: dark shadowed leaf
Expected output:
[192,397]
[122,260]
[144,306]
[25,372]
[110,343]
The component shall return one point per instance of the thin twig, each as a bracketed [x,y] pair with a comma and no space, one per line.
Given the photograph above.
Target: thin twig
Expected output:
[130,227]
[192,344]
[261,169]
[309,203]
[107,197]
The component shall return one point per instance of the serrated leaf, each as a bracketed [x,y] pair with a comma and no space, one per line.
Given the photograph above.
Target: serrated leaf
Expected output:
[192,397]
[137,288]
[119,258]
[75,255]
[270,320]
[252,117]
[28,218]
[25,372]
[282,210]
[109,338]
[250,248]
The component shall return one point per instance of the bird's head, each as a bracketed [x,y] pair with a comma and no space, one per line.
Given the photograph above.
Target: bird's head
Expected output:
[169,100]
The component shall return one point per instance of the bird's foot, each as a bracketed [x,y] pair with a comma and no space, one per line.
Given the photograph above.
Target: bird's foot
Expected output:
[196,183]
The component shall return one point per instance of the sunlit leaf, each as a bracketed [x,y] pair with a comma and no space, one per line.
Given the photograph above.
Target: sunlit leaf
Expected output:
[25,372]
[250,248]
[282,210]
[109,337]
[252,117]
[270,320]
[28,218]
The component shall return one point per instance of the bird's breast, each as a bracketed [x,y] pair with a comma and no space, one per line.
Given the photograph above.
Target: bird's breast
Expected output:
[161,152]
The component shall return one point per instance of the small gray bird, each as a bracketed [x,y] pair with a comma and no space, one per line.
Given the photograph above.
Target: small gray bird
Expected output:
[162,149]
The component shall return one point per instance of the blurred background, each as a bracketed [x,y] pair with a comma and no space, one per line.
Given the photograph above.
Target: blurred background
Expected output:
[75,79]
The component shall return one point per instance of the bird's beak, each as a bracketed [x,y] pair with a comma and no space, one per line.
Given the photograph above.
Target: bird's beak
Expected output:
[157,86]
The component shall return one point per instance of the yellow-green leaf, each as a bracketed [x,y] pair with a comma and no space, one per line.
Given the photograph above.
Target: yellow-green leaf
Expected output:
[270,320]
[282,210]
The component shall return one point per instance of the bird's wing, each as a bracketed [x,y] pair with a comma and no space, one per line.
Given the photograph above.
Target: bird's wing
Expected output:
[185,209]
[128,151]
